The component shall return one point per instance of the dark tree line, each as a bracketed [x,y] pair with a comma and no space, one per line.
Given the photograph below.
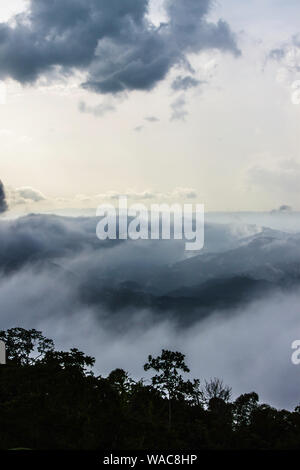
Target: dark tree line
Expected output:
[52,400]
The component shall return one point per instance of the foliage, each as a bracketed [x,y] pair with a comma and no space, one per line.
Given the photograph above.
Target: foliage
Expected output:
[25,347]
[51,400]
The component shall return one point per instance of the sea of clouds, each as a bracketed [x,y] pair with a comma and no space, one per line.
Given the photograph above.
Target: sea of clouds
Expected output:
[103,298]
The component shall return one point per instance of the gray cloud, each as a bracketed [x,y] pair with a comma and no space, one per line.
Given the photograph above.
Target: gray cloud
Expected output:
[24,195]
[151,119]
[185,83]
[288,55]
[285,208]
[30,194]
[284,49]
[27,198]
[98,110]
[177,193]
[277,54]
[114,42]
[178,108]
[3,203]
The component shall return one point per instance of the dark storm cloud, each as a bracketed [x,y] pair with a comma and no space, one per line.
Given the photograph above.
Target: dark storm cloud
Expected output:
[65,34]
[3,203]
[113,41]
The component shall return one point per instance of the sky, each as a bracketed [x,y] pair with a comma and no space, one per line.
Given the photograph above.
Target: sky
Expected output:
[152,99]
[161,100]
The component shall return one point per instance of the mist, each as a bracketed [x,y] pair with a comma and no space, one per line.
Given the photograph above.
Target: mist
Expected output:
[103,298]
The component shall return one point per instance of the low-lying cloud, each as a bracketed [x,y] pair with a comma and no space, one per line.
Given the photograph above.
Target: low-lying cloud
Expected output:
[33,199]
[101,297]
[249,348]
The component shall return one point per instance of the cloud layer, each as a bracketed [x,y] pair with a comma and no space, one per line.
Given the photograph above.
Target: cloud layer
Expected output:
[31,199]
[114,42]
[56,276]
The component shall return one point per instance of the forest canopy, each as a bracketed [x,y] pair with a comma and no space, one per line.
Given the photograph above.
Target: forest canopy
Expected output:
[52,399]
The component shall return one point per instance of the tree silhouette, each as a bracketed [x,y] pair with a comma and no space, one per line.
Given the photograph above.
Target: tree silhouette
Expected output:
[25,347]
[51,399]
[169,381]
[215,389]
